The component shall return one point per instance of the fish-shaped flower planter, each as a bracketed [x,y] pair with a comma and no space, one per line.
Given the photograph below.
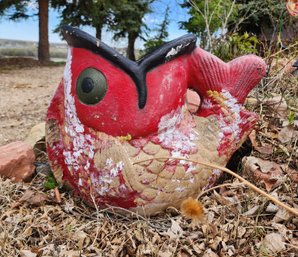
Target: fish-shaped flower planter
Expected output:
[110,115]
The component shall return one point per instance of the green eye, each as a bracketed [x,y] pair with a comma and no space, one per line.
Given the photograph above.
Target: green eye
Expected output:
[91,86]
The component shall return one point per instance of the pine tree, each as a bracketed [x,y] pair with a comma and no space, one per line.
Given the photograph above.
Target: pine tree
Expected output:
[129,22]
[17,10]
[92,13]
[162,34]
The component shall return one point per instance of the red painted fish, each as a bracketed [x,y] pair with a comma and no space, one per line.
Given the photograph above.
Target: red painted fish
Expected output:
[109,113]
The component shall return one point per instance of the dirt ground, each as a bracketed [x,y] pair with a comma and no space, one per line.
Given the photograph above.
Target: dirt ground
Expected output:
[24,98]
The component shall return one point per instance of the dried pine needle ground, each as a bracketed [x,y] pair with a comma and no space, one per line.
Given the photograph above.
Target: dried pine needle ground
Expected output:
[73,229]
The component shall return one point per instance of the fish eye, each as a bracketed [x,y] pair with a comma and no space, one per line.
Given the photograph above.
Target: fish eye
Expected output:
[91,86]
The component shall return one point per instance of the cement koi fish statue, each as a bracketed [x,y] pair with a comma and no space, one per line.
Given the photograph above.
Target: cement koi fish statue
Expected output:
[109,113]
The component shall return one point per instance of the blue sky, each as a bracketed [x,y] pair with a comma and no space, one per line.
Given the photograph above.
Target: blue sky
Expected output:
[28,29]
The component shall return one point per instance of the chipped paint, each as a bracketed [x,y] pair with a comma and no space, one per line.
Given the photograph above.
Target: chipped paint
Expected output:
[180,189]
[104,179]
[207,104]
[230,116]
[176,133]
[191,167]
[174,51]
[168,77]
[81,141]
[228,126]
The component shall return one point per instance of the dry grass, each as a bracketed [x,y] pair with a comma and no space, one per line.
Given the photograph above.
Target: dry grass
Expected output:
[236,222]
[277,106]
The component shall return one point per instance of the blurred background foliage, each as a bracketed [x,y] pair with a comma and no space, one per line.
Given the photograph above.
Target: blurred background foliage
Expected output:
[236,45]
[227,28]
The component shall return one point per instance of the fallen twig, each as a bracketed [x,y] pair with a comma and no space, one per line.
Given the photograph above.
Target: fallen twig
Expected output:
[216,187]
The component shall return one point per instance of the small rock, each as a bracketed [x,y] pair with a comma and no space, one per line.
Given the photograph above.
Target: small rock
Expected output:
[16,161]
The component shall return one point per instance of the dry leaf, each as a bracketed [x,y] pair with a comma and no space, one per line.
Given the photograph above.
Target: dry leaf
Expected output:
[282,215]
[32,198]
[36,134]
[71,253]
[294,242]
[253,138]
[265,166]
[167,253]
[27,253]
[277,104]
[210,253]
[166,250]
[284,149]
[269,173]
[80,237]
[214,243]
[198,248]
[287,134]
[251,211]
[264,148]
[282,229]
[38,199]
[274,242]
[175,231]
[271,208]
[241,231]
[184,253]
[293,174]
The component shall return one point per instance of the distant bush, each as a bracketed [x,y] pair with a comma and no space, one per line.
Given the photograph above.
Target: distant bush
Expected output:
[60,53]
[27,52]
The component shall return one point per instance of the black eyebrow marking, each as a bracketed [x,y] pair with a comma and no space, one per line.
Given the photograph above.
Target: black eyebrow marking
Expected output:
[136,70]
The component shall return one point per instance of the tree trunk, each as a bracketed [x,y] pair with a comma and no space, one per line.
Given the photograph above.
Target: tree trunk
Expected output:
[131,46]
[43,43]
[98,32]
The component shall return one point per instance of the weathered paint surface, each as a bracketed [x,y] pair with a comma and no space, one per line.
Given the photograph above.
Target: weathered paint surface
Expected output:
[94,147]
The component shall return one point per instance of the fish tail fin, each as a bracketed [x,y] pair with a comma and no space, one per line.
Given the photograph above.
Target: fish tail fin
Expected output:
[238,77]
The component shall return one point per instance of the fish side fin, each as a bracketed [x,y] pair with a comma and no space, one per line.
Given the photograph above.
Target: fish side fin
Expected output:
[238,77]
